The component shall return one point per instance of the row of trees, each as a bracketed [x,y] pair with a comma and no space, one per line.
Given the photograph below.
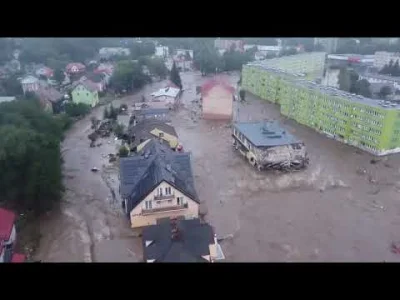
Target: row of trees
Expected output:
[128,76]
[30,157]
[392,69]
[349,81]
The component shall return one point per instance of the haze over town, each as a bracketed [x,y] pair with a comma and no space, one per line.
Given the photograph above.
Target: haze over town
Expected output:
[199,149]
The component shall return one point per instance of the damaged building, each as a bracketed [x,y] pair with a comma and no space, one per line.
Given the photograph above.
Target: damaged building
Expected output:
[266,145]
[152,128]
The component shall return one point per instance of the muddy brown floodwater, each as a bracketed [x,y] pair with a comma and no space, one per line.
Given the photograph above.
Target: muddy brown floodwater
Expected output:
[341,208]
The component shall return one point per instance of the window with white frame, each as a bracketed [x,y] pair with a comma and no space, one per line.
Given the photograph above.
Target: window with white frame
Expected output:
[148,204]
[179,200]
[168,191]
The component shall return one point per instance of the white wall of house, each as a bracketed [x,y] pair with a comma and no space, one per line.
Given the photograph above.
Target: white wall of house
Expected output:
[139,217]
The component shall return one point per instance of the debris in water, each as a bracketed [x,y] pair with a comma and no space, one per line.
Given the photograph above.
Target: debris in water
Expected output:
[361,171]
[374,161]
[371,179]
[374,191]
[395,247]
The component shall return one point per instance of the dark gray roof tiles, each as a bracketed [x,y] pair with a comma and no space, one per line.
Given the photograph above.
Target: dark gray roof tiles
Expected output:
[194,241]
[140,174]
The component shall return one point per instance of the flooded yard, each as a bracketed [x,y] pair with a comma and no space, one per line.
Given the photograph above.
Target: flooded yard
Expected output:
[342,208]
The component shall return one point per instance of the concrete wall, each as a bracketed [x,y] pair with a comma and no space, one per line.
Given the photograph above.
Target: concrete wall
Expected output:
[138,219]
[218,104]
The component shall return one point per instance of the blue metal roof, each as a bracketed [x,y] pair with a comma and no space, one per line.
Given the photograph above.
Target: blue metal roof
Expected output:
[266,134]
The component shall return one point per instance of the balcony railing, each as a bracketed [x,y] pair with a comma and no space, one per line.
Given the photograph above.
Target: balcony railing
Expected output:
[164,197]
[164,209]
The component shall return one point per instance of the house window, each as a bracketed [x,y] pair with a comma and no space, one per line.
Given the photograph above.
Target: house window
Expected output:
[168,191]
[159,192]
[179,200]
[148,205]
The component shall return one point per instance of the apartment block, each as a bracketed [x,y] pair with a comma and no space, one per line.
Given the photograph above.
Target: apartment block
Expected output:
[311,64]
[371,125]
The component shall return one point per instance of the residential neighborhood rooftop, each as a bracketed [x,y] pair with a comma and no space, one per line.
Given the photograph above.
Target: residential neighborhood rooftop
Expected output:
[155,163]
[266,134]
[168,92]
[208,85]
[185,241]
[142,130]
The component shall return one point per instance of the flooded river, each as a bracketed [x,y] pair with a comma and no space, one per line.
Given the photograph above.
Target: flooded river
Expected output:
[329,212]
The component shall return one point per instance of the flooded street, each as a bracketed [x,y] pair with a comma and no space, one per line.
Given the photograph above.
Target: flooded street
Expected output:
[342,208]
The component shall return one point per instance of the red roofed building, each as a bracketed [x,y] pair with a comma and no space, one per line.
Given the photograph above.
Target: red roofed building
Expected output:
[75,68]
[45,71]
[8,236]
[217,99]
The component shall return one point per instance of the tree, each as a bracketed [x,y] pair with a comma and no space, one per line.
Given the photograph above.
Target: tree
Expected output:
[362,87]
[344,80]
[396,69]
[30,157]
[123,151]
[385,91]
[187,55]
[119,130]
[59,76]
[106,113]
[113,113]
[11,86]
[175,77]
[157,67]
[128,76]
[242,94]
[76,109]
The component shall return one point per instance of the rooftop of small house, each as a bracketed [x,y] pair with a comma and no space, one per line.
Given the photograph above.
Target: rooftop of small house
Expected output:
[177,241]
[49,94]
[266,134]
[88,84]
[155,163]
[153,111]
[141,131]
[219,81]
[168,92]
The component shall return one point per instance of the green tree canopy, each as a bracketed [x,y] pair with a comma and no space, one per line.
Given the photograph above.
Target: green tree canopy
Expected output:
[175,77]
[30,157]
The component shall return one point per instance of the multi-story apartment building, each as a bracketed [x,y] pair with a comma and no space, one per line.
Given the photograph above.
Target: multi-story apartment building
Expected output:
[371,125]
[383,58]
[312,64]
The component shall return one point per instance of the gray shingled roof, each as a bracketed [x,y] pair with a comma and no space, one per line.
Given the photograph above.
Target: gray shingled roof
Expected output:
[194,241]
[143,128]
[140,174]
[266,134]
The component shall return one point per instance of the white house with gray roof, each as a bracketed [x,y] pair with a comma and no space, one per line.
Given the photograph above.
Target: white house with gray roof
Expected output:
[157,184]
